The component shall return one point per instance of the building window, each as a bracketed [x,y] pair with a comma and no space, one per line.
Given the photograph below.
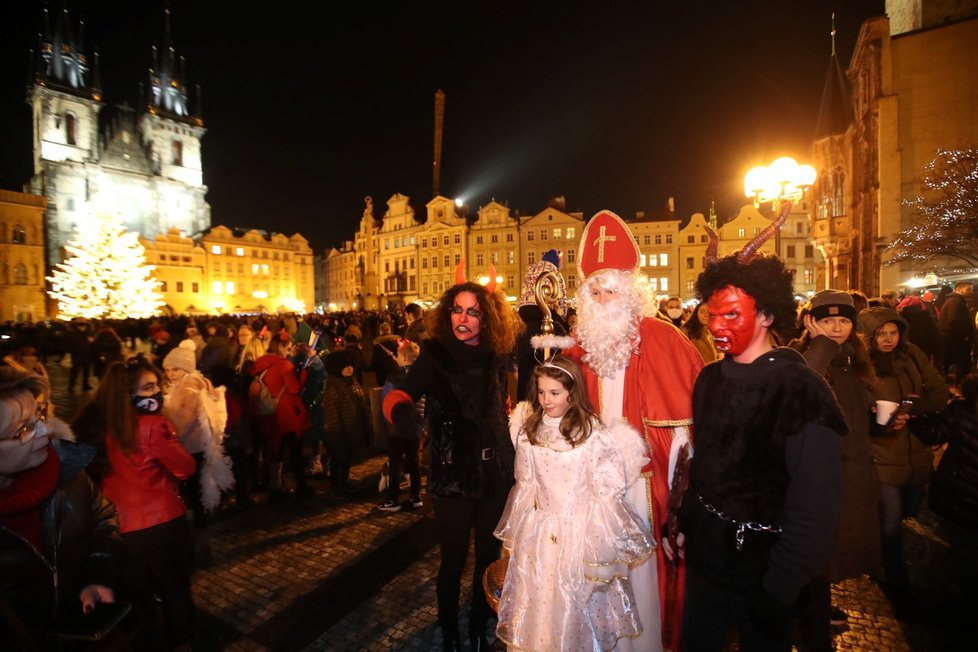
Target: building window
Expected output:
[741,233]
[494,256]
[510,280]
[570,232]
[690,239]
[653,285]
[809,251]
[162,286]
[179,286]
[18,235]
[509,237]
[424,243]
[195,287]
[434,262]
[571,282]
[229,287]
[531,257]
[217,287]
[689,262]
[511,257]
[809,276]
[387,267]
[529,235]
[444,241]
[239,251]
[791,251]
[494,238]
[668,238]
[646,239]
[216,250]
[703,238]
[424,263]
[478,239]
[663,284]
[480,259]
[447,261]
[653,260]
[571,255]
[264,269]
[663,260]
[658,239]
[20,274]
[412,263]
[458,258]
[543,234]
[458,238]
[387,243]
[254,268]
[800,228]
[690,287]
[556,234]
[642,260]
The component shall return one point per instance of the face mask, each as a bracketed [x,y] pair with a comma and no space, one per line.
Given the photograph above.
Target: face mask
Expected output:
[674,313]
[148,404]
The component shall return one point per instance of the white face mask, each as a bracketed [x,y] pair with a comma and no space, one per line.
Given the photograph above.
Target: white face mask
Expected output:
[674,313]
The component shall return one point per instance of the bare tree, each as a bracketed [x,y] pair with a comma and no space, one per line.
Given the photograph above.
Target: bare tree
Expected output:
[946,216]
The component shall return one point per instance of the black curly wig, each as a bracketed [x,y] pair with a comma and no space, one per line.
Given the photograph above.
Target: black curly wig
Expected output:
[765,279]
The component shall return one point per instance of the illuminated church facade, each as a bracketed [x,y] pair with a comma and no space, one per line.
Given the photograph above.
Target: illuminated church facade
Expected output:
[142,164]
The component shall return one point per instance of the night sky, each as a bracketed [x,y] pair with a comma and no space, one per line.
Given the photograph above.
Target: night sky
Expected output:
[616,105]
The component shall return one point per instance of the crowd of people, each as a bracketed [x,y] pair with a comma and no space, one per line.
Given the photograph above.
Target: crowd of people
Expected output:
[664,475]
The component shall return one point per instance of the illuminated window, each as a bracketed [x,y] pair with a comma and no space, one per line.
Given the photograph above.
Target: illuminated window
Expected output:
[663,284]
[741,233]
[18,235]
[653,285]
[179,286]
[689,262]
[255,268]
[557,234]
[511,257]
[690,287]
[216,250]
[653,260]
[217,287]
[239,251]
[658,239]
[494,256]
[71,204]
[570,232]
[387,243]
[663,260]
[264,269]
[229,287]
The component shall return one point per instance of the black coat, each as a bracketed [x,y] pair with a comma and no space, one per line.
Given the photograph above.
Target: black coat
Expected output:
[953,492]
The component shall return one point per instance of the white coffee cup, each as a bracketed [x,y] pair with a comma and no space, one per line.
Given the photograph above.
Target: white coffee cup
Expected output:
[885,411]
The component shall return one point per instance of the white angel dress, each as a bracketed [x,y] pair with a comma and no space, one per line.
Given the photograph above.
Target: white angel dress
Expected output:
[571,540]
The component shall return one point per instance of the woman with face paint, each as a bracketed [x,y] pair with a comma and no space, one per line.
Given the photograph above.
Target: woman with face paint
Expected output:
[462,373]
[139,465]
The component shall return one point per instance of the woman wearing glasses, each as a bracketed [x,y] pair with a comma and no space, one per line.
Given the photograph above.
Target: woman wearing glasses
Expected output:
[139,466]
[462,372]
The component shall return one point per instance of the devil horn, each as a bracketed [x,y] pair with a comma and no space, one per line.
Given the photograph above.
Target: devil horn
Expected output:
[460,272]
[749,251]
[491,285]
[711,249]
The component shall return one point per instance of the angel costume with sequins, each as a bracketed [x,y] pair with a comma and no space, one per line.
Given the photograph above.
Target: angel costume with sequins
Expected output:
[572,538]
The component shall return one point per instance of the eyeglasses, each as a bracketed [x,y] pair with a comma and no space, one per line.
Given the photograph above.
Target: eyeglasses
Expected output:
[474,313]
[27,430]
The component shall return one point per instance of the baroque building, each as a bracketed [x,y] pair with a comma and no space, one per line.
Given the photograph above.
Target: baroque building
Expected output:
[22,287]
[142,164]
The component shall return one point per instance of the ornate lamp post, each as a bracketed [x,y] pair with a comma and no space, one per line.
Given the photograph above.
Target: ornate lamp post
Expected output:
[782,183]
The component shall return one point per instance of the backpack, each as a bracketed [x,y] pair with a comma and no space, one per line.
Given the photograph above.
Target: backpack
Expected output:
[260,398]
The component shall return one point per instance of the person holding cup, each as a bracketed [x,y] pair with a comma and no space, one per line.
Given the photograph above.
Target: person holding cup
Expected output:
[904,462]
[832,348]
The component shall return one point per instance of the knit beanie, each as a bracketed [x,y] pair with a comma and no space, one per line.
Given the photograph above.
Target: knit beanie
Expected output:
[832,303]
[549,263]
[182,357]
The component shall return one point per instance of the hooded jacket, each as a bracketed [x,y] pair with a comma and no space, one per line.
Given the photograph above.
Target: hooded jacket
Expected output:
[904,374]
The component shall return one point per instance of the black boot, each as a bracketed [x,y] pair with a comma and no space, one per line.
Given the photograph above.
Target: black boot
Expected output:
[450,640]
[477,638]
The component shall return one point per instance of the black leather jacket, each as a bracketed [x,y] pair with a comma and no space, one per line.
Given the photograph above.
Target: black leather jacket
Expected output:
[80,539]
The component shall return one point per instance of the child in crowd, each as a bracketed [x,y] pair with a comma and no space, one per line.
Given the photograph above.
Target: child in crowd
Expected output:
[570,535]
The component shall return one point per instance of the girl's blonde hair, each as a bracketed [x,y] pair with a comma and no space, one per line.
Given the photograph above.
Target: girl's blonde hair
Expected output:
[580,418]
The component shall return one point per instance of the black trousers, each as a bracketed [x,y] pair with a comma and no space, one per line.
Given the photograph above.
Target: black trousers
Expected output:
[407,449]
[456,519]
[162,557]
[709,612]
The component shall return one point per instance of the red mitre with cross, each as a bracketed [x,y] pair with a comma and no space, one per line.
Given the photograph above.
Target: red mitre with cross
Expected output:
[606,244]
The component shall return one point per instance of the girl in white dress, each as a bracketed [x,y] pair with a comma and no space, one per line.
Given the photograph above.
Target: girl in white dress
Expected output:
[570,536]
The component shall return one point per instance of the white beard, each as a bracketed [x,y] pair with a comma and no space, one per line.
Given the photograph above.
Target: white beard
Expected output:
[607,333]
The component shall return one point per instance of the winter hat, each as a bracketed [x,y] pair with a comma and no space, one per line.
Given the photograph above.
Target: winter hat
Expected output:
[182,357]
[832,303]
[550,263]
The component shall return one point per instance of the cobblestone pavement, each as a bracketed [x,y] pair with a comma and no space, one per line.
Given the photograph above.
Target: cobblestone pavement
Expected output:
[323,574]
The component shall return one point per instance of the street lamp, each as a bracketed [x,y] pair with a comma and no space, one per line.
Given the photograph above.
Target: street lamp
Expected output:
[781,183]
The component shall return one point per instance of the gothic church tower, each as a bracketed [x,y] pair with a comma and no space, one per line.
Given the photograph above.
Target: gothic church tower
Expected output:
[143,165]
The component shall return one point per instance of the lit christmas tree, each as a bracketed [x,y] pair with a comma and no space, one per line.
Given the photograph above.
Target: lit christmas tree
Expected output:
[106,275]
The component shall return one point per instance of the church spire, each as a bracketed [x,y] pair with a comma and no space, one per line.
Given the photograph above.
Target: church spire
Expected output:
[835,110]
[60,60]
[167,83]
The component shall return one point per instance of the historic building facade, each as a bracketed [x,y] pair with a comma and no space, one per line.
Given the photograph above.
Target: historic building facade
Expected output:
[142,164]
[22,286]
[907,92]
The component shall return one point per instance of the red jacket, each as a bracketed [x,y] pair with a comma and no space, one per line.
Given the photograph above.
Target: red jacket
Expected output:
[143,483]
[291,414]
